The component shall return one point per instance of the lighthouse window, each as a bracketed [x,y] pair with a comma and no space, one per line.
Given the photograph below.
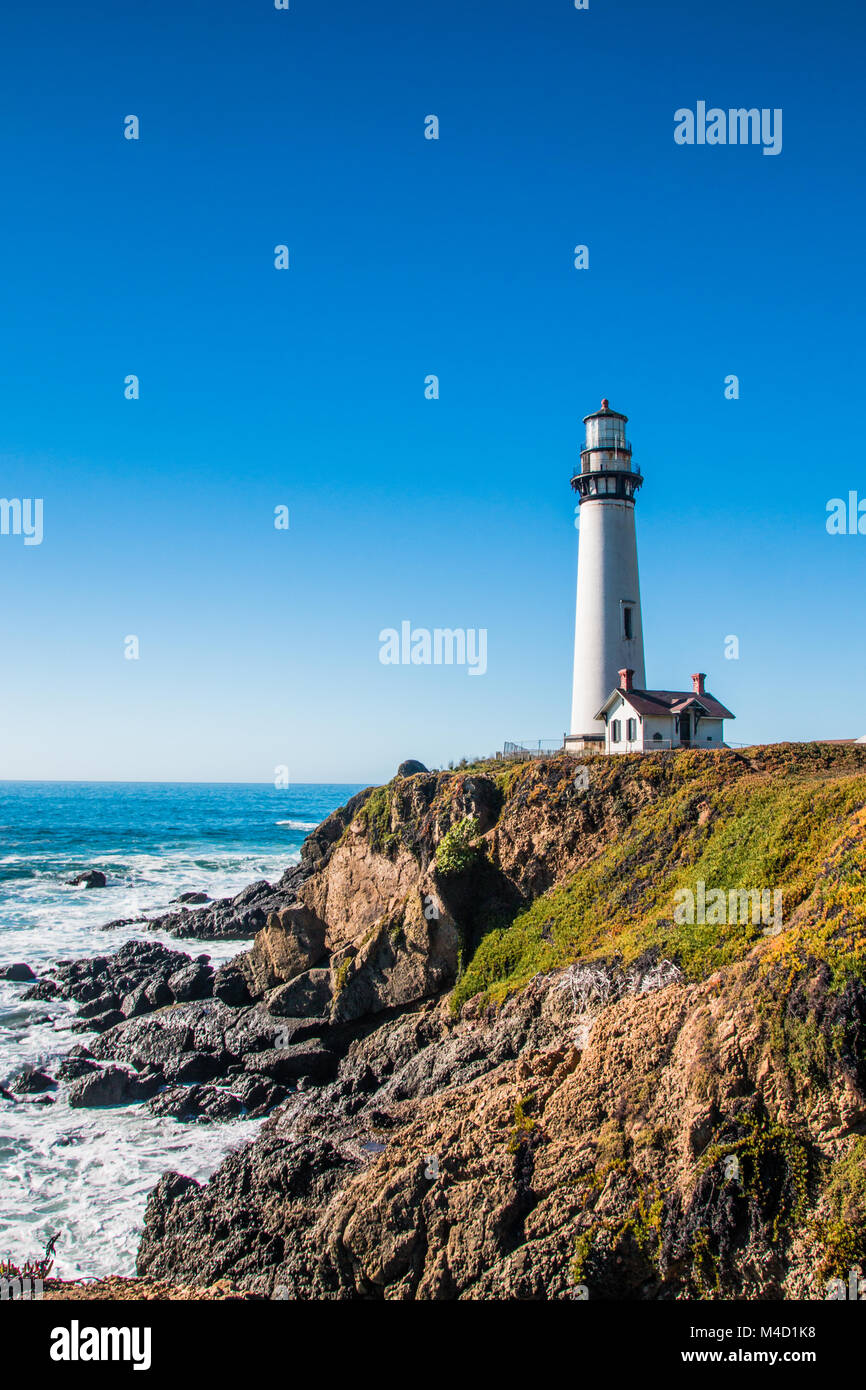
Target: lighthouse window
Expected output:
[627,630]
[631,730]
[614,731]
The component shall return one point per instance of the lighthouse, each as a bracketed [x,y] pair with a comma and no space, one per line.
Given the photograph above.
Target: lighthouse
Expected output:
[608,634]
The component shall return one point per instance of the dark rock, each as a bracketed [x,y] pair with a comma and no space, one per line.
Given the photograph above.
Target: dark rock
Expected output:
[196,1103]
[410,767]
[307,995]
[32,1080]
[309,1059]
[102,1004]
[230,985]
[229,1225]
[191,898]
[160,1039]
[258,1094]
[193,981]
[44,989]
[112,1086]
[237,918]
[73,1068]
[145,998]
[18,972]
[316,849]
[122,922]
[90,878]
[194,1067]
[99,1024]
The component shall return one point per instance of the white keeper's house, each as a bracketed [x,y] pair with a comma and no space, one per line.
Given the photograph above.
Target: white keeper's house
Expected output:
[639,721]
[612,710]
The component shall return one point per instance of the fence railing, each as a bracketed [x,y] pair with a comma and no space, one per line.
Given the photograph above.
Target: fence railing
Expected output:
[533,748]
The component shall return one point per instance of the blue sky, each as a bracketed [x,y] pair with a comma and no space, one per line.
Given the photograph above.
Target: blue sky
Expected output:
[259,647]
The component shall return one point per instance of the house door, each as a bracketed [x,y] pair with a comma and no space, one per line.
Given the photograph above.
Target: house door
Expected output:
[686,730]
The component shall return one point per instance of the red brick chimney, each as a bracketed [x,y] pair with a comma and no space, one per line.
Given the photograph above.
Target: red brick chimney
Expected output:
[626,676]
[698,682]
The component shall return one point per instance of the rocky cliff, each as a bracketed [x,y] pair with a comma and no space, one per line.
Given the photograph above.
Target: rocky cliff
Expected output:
[528,1075]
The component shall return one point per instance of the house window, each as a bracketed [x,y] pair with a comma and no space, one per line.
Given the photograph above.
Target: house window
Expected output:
[614,731]
[627,625]
[631,730]
[658,737]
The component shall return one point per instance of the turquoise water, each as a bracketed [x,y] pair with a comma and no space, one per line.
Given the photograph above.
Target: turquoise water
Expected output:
[87,1173]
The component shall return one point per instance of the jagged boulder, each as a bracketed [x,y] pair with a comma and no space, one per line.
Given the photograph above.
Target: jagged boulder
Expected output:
[90,878]
[17,972]
[292,943]
[113,1086]
[306,996]
[31,1081]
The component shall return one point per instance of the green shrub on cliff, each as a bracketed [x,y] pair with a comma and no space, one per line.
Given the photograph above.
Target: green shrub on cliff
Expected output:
[459,847]
[842,1233]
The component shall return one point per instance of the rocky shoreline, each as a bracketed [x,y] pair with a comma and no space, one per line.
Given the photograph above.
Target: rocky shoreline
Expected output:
[420,1146]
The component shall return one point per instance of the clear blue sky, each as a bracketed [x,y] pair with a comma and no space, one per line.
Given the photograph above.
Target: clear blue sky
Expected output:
[258,387]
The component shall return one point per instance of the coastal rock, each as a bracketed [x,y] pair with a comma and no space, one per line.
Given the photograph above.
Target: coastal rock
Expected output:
[99,1023]
[43,989]
[306,996]
[410,767]
[31,1081]
[258,1094]
[102,1004]
[73,1068]
[317,848]
[112,1086]
[308,1059]
[135,980]
[236,918]
[196,1103]
[230,985]
[191,898]
[90,878]
[17,972]
[292,943]
[146,998]
[193,981]
[515,1145]
[194,1067]
[398,963]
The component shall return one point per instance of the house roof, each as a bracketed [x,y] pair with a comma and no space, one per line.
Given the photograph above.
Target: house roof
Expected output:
[668,702]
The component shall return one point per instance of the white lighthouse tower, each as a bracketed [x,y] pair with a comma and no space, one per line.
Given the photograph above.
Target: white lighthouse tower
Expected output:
[608,630]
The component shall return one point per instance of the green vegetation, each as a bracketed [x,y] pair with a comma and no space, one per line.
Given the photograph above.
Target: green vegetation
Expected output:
[342,975]
[523,1125]
[842,1234]
[792,825]
[773,1170]
[459,847]
[375,814]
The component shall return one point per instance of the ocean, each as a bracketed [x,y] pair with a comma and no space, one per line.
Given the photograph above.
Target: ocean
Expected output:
[87,1173]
